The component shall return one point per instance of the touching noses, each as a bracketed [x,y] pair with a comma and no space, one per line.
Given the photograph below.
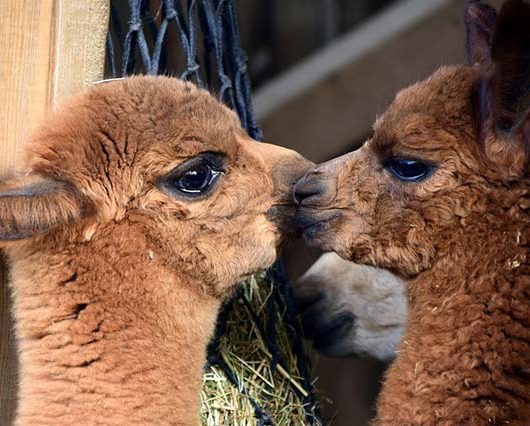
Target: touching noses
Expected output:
[315,189]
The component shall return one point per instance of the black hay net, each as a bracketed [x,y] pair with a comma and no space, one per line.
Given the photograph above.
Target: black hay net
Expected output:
[199,40]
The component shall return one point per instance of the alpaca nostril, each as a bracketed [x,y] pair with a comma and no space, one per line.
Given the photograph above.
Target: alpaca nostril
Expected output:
[301,195]
[308,190]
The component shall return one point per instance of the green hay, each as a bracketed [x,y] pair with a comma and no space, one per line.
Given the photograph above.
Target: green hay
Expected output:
[245,352]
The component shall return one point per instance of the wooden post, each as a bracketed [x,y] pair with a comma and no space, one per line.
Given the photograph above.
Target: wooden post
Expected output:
[51,48]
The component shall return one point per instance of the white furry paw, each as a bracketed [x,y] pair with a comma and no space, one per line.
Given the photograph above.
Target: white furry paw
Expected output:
[352,309]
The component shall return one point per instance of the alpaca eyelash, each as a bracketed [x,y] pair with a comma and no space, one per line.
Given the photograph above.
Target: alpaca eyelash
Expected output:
[216,159]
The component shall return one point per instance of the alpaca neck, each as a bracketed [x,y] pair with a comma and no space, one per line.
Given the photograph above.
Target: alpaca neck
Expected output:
[464,355]
[108,334]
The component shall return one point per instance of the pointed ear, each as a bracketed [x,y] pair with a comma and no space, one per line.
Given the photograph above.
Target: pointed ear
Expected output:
[32,205]
[501,97]
[479,19]
[510,78]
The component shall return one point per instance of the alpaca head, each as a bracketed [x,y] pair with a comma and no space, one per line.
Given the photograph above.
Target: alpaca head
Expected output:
[159,154]
[453,145]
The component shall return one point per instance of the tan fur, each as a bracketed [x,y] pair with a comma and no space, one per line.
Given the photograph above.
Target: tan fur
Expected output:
[460,238]
[116,283]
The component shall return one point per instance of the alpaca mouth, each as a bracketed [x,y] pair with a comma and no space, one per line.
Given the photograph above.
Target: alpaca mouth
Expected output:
[307,218]
[311,222]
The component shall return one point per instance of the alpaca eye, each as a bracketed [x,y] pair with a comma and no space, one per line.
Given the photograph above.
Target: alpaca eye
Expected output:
[408,170]
[194,177]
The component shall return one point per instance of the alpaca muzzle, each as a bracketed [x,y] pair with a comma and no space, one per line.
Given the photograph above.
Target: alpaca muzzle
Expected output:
[314,194]
[318,187]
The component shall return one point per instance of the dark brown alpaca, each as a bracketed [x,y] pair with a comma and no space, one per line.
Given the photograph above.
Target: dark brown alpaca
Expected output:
[137,208]
[441,195]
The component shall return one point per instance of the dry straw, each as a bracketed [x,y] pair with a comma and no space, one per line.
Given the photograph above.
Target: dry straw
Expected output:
[244,351]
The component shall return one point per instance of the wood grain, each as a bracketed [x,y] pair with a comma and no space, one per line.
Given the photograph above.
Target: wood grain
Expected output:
[50,49]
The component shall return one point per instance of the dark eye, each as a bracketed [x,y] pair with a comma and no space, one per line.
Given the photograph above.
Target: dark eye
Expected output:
[409,170]
[194,177]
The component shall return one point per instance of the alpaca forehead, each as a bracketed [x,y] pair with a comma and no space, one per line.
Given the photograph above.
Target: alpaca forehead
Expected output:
[429,113]
[120,121]
[159,109]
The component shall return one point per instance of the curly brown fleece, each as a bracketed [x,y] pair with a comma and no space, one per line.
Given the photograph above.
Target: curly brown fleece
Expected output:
[460,236]
[117,279]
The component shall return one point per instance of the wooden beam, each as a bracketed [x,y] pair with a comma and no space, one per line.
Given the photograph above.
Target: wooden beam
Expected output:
[51,48]
[26,33]
[342,51]
[80,42]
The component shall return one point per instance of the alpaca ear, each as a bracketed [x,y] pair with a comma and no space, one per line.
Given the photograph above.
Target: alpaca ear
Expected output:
[510,75]
[479,19]
[32,205]
[501,99]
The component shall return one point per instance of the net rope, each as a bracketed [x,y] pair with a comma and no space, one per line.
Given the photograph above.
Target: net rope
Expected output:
[210,54]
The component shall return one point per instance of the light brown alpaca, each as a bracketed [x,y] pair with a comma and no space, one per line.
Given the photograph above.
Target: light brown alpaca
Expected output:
[441,195]
[138,206]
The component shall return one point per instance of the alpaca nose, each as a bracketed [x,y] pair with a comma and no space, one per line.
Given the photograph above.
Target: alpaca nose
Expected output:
[319,186]
[313,189]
